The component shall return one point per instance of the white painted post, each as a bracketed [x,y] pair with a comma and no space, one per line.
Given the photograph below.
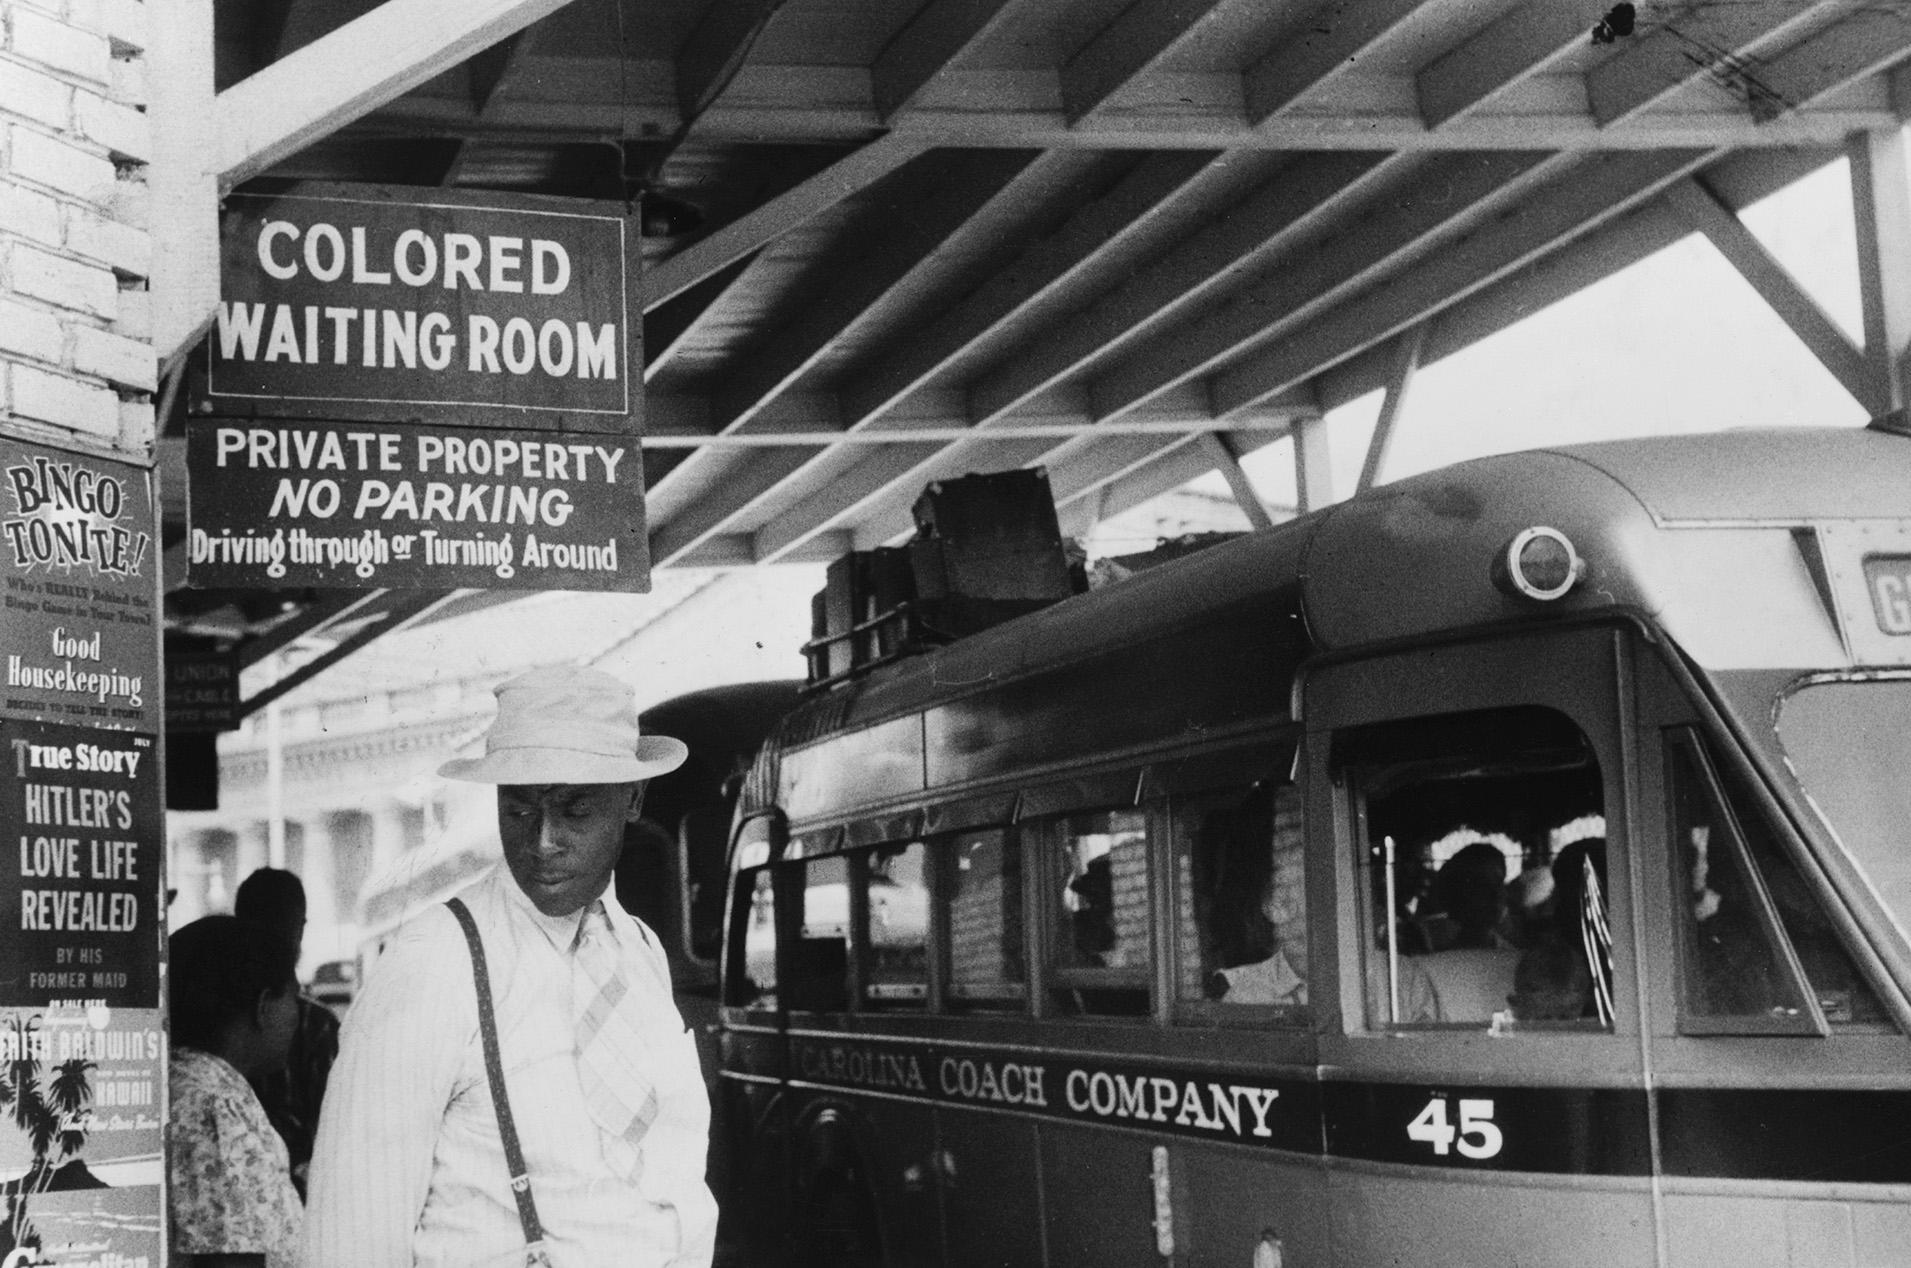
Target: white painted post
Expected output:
[1406,363]
[184,187]
[1313,469]
[1881,205]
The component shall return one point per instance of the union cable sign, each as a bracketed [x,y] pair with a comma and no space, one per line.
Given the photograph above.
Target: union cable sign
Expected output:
[484,309]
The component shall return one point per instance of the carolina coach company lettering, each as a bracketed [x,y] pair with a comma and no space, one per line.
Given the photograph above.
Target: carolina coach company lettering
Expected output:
[1193,1103]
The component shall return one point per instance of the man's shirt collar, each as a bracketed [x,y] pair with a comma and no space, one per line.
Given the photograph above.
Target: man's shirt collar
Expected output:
[562,930]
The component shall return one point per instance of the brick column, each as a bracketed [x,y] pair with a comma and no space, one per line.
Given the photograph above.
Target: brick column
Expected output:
[76,361]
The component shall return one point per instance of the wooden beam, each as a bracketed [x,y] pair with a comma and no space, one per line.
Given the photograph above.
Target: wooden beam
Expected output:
[716,47]
[1707,213]
[1313,465]
[885,484]
[1881,208]
[808,518]
[1406,363]
[1021,108]
[1299,196]
[932,41]
[1444,197]
[489,72]
[267,36]
[1222,454]
[1144,478]
[749,474]
[492,69]
[1723,43]
[1097,230]
[1330,41]
[914,235]
[328,607]
[349,73]
[180,181]
[1616,245]
[1870,42]
[670,326]
[937,431]
[751,232]
[1562,211]
[1137,40]
[1520,43]
[398,613]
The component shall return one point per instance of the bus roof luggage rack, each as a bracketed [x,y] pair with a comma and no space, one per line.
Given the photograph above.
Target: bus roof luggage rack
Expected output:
[987,549]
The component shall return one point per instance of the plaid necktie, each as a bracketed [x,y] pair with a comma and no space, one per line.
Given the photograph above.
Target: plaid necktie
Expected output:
[610,1042]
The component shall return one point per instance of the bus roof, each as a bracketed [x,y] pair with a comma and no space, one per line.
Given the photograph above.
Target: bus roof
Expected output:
[1694,530]
[1791,475]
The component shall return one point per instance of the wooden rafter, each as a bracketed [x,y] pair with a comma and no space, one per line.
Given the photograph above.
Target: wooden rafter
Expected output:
[1093,240]
[1719,43]
[670,326]
[1289,202]
[1881,208]
[1791,302]
[1222,453]
[716,47]
[1406,363]
[1445,197]
[1328,42]
[765,224]
[1134,43]
[1550,218]
[1522,42]
[928,45]
[352,71]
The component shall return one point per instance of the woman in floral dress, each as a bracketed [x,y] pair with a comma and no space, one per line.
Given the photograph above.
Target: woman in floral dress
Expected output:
[234,1007]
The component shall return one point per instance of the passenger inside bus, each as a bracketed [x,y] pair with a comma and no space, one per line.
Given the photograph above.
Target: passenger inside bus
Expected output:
[1454,809]
[1555,980]
[1243,901]
[1102,964]
[1756,943]
[1472,964]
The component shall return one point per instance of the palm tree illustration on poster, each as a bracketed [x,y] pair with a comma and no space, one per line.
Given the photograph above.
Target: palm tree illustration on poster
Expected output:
[80,1157]
[52,1107]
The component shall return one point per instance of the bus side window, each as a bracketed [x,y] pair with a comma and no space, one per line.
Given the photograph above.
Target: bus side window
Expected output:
[1753,941]
[897,892]
[753,949]
[983,888]
[817,965]
[1241,900]
[1102,934]
[1483,856]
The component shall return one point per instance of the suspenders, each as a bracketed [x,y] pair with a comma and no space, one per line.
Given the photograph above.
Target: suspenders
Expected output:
[534,1253]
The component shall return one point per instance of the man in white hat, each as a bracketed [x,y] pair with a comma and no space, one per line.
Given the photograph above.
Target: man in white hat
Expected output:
[414,1160]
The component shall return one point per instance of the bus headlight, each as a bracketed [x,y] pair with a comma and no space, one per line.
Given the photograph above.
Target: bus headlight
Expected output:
[1539,563]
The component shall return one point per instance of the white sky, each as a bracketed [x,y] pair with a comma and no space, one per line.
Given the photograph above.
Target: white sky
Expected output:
[1677,343]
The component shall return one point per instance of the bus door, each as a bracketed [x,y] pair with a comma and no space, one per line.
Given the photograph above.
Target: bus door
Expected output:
[864,1162]
[1482,1097]
[1783,1086]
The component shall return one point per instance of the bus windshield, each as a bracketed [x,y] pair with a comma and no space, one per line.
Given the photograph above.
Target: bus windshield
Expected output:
[1850,742]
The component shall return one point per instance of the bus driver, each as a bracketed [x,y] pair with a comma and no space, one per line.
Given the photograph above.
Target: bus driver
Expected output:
[416,1157]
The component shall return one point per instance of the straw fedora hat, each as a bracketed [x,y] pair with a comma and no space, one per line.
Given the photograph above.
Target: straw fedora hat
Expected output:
[567,725]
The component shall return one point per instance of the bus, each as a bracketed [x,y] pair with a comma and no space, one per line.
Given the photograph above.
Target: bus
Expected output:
[1508,865]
